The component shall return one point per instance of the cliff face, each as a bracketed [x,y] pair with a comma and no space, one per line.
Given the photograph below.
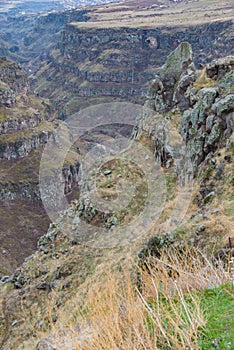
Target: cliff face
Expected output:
[26,125]
[187,124]
[28,37]
[13,81]
[21,113]
[189,116]
[99,64]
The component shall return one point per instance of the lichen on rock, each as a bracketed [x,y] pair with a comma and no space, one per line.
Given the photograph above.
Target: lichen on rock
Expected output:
[206,120]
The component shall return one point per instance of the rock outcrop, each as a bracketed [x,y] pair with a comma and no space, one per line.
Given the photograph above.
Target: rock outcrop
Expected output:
[13,76]
[200,102]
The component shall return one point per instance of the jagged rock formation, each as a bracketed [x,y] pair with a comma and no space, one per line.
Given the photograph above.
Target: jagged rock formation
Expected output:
[13,78]
[201,101]
[175,77]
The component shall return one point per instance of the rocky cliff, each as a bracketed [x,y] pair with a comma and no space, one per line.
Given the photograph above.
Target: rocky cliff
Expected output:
[102,63]
[26,125]
[28,37]
[20,111]
[204,99]
[82,58]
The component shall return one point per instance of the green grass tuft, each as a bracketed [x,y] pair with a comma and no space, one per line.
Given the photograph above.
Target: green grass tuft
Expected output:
[218,307]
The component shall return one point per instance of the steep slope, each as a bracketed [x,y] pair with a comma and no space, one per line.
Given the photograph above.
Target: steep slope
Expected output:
[24,127]
[187,124]
[189,119]
[27,123]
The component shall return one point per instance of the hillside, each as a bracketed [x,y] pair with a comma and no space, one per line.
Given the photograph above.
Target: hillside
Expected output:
[116,175]
[48,302]
[148,13]
[24,128]
[27,123]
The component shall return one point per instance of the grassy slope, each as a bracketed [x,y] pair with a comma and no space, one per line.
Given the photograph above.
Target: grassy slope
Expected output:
[187,313]
[143,14]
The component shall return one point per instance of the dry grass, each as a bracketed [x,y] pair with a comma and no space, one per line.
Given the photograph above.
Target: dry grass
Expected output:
[203,81]
[163,312]
[172,14]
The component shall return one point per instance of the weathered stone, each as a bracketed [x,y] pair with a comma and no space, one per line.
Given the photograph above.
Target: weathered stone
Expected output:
[207,119]
[177,63]
[209,122]
[219,67]
[214,136]
[180,97]
[206,97]
[227,82]
[107,172]
[5,279]
[46,344]
[44,286]
[201,228]
[224,105]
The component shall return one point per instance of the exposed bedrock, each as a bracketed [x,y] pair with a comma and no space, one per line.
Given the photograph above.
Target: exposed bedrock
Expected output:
[189,114]
[118,63]
[10,190]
